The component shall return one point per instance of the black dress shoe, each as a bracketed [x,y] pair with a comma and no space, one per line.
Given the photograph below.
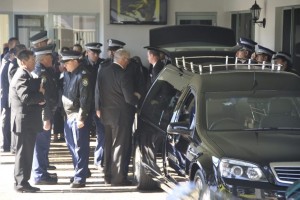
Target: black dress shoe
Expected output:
[27,189]
[51,167]
[123,183]
[4,150]
[48,181]
[77,185]
[89,174]
[52,175]
[181,172]
[107,181]
[71,179]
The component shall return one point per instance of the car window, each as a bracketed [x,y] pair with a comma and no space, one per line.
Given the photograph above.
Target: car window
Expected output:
[252,112]
[161,100]
[187,112]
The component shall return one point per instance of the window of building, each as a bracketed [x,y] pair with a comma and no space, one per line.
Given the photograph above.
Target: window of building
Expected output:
[291,34]
[4,30]
[209,18]
[74,29]
[242,24]
[28,25]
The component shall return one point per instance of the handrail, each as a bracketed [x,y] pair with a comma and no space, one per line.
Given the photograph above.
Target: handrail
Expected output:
[194,64]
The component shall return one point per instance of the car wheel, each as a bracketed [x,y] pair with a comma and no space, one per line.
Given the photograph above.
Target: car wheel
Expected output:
[200,183]
[144,182]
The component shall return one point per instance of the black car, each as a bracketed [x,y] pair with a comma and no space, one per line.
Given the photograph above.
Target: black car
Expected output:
[232,129]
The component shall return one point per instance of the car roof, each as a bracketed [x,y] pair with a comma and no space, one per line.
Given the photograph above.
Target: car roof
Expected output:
[246,80]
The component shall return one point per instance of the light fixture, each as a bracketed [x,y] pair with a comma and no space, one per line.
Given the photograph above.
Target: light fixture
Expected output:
[255,11]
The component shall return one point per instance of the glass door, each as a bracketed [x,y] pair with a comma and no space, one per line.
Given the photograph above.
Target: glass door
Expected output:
[28,25]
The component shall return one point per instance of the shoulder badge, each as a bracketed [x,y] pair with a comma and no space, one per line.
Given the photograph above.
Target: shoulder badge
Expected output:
[85,82]
[44,79]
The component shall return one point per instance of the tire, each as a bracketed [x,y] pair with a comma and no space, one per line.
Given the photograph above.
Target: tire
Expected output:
[144,182]
[200,182]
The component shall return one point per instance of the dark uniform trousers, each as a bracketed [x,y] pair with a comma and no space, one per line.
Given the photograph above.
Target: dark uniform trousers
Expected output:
[118,138]
[40,158]
[77,141]
[5,109]
[42,145]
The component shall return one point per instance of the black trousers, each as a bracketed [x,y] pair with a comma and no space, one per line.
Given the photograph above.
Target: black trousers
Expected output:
[5,126]
[23,160]
[117,150]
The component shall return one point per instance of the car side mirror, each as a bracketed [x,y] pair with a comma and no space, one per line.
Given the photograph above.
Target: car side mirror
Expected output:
[179,128]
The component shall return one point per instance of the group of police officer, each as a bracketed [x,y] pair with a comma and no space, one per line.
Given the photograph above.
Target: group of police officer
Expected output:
[248,51]
[103,92]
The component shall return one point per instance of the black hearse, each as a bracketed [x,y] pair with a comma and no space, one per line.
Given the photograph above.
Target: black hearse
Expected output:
[232,129]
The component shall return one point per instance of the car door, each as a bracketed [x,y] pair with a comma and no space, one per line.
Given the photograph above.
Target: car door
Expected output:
[181,137]
[153,119]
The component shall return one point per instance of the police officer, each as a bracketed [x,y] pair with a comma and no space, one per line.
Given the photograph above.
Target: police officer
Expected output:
[113,46]
[92,62]
[12,42]
[285,60]
[245,48]
[39,40]
[77,98]
[12,68]
[6,135]
[5,109]
[44,70]
[263,54]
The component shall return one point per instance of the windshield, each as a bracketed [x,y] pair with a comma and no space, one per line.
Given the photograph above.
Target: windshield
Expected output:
[252,112]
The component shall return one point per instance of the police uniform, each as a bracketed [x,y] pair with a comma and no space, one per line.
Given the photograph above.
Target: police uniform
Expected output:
[41,151]
[5,109]
[261,50]
[93,67]
[245,44]
[38,38]
[288,59]
[113,45]
[77,98]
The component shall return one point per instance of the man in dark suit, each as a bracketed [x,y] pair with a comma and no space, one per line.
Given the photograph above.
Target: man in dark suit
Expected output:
[26,97]
[157,65]
[118,102]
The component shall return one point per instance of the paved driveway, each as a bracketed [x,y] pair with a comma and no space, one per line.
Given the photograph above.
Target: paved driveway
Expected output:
[60,157]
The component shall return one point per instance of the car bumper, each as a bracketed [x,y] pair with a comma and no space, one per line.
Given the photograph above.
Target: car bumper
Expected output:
[253,190]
